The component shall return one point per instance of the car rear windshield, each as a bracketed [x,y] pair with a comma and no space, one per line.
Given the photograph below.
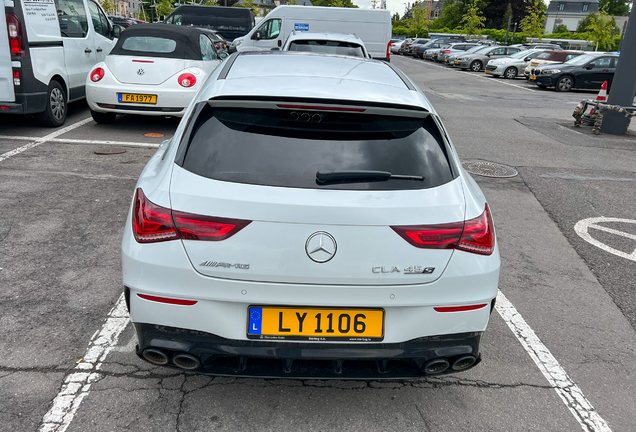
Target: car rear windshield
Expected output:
[149,44]
[327,47]
[286,148]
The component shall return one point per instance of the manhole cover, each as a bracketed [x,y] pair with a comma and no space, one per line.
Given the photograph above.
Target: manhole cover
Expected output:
[489,169]
[153,135]
[110,151]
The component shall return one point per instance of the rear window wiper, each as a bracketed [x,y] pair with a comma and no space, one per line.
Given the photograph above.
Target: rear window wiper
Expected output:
[327,176]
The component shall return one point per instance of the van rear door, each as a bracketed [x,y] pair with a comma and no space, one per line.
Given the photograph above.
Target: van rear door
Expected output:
[6,74]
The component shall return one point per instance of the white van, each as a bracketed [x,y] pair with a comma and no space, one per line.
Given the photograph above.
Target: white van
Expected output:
[46,53]
[373,26]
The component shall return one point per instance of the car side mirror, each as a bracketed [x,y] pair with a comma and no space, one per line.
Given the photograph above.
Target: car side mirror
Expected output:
[257,36]
[527,59]
[488,55]
[590,66]
[117,31]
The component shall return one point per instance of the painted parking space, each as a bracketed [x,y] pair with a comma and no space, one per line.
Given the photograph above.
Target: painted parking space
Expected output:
[585,229]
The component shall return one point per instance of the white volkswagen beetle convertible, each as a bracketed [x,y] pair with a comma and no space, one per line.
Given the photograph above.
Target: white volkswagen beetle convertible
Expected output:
[153,69]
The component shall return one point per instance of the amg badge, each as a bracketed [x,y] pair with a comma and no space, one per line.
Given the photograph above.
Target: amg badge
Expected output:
[225,265]
[407,270]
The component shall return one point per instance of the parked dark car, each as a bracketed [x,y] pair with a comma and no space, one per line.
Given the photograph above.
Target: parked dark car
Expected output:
[419,50]
[220,43]
[587,71]
[122,21]
[410,46]
[229,22]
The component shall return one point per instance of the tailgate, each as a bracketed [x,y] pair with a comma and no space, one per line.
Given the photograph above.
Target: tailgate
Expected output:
[305,236]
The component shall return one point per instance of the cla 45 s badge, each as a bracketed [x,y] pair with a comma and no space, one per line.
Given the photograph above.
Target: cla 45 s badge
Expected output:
[407,269]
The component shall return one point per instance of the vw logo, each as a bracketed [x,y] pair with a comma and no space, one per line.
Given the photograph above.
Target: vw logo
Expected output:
[321,247]
[141,72]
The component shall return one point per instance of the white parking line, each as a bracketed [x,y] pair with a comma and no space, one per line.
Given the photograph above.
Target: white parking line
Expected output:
[568,391]
[37,141]
[80,141]
[77,385]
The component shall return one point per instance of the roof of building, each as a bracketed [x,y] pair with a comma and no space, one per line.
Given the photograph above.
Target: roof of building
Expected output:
[573,6]
[312,76]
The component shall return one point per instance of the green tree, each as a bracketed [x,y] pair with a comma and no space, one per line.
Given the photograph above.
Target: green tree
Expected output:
[504,22]
[561,28]
[395,17]
[164,8]
[250,4]
[292,2]
[418,21]
[374,4]
[473,20]
[584,26]
[335,3]
[109,7]
[452,14]
[601,31]
[614,7]
[532,23]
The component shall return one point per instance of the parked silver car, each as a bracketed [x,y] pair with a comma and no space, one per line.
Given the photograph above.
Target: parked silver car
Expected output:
[451,57]
[455,48]
[513,66]
[477,60]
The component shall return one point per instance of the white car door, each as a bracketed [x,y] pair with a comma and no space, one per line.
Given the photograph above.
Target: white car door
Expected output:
[209,55]
[103,32]
[268,35]
[79,51]
[6,71]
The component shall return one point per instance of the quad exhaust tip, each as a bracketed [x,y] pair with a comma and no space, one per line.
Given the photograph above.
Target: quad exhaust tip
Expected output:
[155,356]
[435,366]
[464,363]
[186,361]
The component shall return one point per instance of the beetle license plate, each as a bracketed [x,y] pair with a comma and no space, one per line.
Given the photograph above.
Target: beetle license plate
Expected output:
[315,324]
[137,98]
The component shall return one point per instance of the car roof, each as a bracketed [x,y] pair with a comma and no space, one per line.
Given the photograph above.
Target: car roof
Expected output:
[312,76]
[344,37]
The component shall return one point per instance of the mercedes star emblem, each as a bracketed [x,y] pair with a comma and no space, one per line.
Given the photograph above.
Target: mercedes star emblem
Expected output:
[141,72]
[321,247]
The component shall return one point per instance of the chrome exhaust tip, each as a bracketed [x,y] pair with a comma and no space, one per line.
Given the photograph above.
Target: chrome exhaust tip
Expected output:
[186,361]
[435,366]
[155,356]
[464,363]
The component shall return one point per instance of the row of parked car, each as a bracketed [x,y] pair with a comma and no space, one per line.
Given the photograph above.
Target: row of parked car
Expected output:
[545,65]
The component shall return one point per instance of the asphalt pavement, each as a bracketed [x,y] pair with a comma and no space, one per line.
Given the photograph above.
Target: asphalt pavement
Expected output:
[566,227]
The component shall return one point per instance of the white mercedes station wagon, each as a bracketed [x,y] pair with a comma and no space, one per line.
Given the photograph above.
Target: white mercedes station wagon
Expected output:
[310,218]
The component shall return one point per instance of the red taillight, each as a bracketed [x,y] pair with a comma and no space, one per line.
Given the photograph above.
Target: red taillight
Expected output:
[195,227]
[321,108]
[460,308]
[479,235]
[168,300]
[97,74]
[16,78]
[153,223]
[446,51]
[16,40]
[388,50]
[475,235]
[187,80]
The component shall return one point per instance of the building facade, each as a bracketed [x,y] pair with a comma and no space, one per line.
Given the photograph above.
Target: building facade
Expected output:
[568,12]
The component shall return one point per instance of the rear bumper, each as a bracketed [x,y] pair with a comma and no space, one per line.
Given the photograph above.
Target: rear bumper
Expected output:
[25,103]
[221,356]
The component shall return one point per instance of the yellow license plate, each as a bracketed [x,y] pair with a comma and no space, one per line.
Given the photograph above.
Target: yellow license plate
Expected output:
[137,98]
[487,71]
[445,60]
[315,324]
[532,77]
[534,64]
[456,62]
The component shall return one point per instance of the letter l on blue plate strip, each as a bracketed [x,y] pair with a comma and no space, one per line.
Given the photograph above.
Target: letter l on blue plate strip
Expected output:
[256,317]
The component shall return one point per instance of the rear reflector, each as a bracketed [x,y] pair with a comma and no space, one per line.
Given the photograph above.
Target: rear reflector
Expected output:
[321,108]
[153,223]
[168,300]
[476,235]
[460,308]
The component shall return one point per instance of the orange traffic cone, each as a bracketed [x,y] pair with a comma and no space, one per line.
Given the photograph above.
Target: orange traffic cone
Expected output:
[602,95]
